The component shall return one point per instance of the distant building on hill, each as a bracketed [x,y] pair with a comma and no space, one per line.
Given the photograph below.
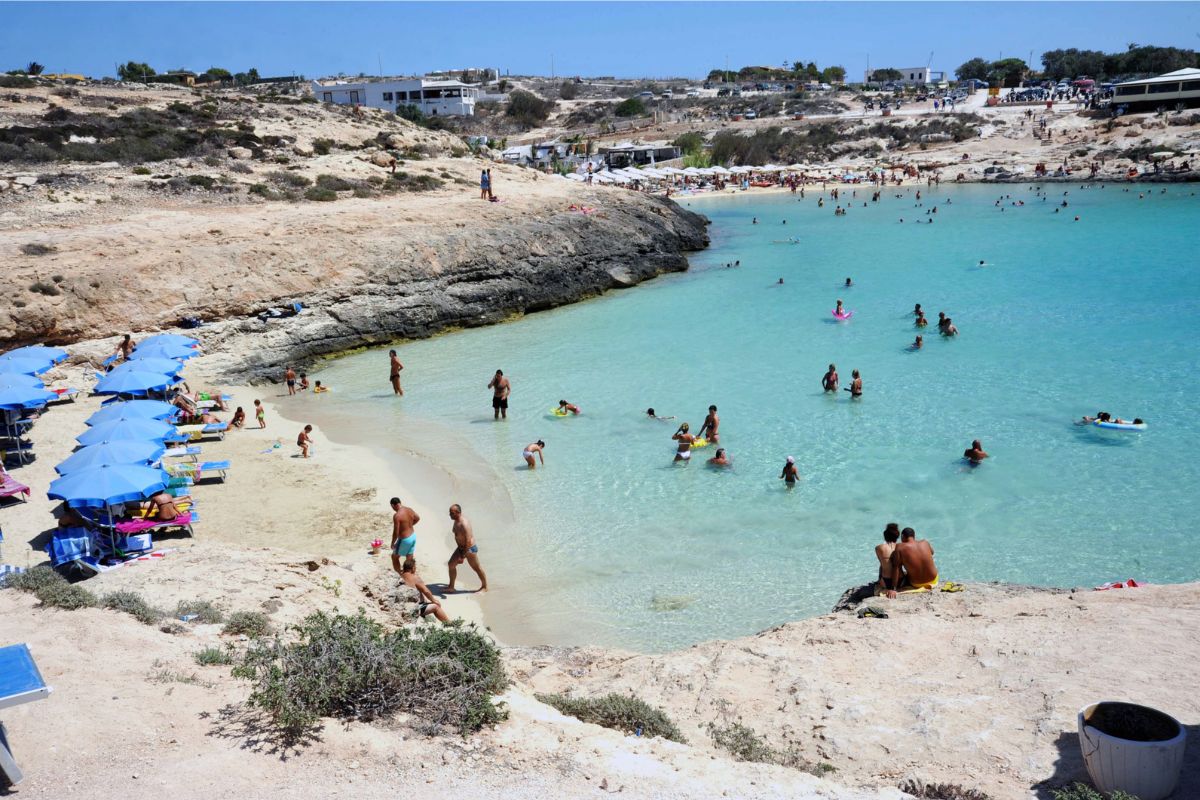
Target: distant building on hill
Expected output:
[910,76]
[434,98]
[1178,89]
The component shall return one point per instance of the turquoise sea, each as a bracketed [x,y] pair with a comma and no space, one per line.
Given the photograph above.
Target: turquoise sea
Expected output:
[613,544]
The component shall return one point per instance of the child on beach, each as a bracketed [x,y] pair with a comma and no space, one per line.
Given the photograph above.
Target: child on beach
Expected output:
[303,381]
[303,441]
[239,418]
[319,389]
[260,414]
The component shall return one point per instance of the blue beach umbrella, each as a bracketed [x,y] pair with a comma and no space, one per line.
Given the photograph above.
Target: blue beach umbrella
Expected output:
[144,430]
[54,355]
[168,338]
[132,410]
[133,382]
[15,395]
[20,379]
[163,350]
[105,486]
[165,366]
[108,453]
[24,366]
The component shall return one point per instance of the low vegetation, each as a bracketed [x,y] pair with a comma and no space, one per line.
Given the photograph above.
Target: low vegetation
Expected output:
[941,791]
[214,656]
[204,610]
[527,109]
[624,713]
[134,605]
[320,195]
[37,249]
[744,744]
[254,624]
[352,668]
[1081,791]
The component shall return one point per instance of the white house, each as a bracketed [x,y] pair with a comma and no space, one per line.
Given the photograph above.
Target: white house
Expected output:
[913,76]
[433,98]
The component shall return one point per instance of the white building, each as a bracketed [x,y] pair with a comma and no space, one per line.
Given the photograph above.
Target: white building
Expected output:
[433,98]
[912,76]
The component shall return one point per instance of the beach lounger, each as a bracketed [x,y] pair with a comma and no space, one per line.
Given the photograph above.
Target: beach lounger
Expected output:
[183,521]
[198,431]
[186,451]
[11,487]
[20,682]
[196,471]
[9,569]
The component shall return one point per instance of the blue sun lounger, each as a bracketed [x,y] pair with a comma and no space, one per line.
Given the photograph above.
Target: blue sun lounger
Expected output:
[196,471]
[20,682]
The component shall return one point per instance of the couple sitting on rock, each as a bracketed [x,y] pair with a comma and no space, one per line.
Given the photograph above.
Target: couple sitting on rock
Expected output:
[906,564]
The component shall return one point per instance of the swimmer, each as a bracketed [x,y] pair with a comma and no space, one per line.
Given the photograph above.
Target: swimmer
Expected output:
[919,343]
[564,407]
[780,282]
[684,451]
[942,321]
[917,310]
[975,453]
[709,428]
[789,474]
[319,389]
[982,262]
[720,459]
[650,413]
[839,311]
[829,381]
[855,387]
[949,330]
[754,221]
[921,322]
[529,451]
[849,283]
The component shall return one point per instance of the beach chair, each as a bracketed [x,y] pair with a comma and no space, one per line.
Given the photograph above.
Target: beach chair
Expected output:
[200,431]
[11,487]
[185,451]
[9,569]
[197,470]
[135,526]
[20,682]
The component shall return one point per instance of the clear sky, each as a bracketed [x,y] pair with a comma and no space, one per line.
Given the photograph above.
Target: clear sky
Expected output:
[590,39]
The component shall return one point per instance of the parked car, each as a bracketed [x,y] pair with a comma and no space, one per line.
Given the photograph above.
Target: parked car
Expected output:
[723,92]
[646,95]
[974,83]
[751,114]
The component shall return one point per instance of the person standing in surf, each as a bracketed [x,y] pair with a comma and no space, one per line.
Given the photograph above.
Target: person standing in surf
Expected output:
[829,382]
[396,366]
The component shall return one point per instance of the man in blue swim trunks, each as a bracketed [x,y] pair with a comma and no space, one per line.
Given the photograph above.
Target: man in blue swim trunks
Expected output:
[467,550]
[404,537]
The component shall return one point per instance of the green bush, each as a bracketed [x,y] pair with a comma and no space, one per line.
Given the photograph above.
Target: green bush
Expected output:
[203,181]
[266,192]
[527,109]
[214,656]
[744,744]
[204,610]
[37,249]
[1082,791]
[48,289]
[31,580]
[141,170]
[254,624]
[334,183]
[353,668]
[322,146]
[619,712]
[285,178]
[320,195]
[950,791]
[16,82]
[134,605]
[630,107]
[66,596]
[406,182]
[689,143]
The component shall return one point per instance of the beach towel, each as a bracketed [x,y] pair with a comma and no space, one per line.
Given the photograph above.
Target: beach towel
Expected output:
[10,486]
[129,526]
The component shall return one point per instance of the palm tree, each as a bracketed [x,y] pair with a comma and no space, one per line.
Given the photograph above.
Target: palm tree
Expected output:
[34,68]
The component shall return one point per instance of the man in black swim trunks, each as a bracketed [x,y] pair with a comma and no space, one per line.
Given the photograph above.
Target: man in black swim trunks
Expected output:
[500,389]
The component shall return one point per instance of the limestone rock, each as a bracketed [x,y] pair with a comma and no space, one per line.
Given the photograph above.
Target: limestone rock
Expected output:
[301,150]
[25,180]
[383,159]
[241,152]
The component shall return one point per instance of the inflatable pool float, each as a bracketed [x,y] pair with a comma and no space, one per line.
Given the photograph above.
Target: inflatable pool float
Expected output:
[698,443]
[558,412]
[843,315]
[1120,426]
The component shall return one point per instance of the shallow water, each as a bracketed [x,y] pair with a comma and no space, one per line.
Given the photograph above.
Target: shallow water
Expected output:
[612,544]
